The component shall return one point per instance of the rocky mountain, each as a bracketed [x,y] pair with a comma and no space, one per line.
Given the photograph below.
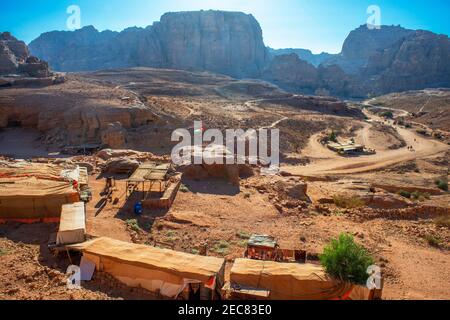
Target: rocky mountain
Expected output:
[15,59]
[420,60]
[304,54]
[223,42]
[372,62]
[293,73]
[363,42]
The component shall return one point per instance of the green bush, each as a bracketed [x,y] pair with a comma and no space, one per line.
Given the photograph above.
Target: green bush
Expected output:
[433,240]
[333,137]
[221,247]
[346,260]
[441,184]
[405,194]
[388,114]
[133,225]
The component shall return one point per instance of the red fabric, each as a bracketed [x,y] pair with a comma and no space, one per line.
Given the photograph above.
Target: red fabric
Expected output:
[31,221]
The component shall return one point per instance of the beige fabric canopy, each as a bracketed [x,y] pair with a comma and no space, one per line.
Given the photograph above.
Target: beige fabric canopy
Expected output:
[72,227]
[32,198]
[292,281]
[157,270]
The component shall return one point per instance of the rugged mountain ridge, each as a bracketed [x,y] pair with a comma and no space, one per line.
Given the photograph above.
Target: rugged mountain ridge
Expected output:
[223,42]
[387,60]
[372,61]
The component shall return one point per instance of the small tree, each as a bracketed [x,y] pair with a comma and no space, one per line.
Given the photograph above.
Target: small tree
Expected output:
[388,115]
[346,260]
[333,137]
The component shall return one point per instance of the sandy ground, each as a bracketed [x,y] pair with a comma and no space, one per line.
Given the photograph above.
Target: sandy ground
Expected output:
[212,212]
[328,163]
[21,143]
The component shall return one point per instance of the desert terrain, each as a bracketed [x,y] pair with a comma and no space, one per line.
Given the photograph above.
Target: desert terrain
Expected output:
[388,200]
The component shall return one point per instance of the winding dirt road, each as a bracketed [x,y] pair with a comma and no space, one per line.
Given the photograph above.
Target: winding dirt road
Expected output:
[326,162]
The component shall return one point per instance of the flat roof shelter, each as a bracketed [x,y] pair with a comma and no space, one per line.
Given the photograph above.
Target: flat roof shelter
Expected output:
[149,177]
[345,148]
[72,227]
[290,281]
[163,272]
[31,192]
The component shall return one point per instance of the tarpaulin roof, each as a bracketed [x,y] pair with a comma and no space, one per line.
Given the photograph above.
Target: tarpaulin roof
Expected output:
[72,226]
[33,187]
[184,265]
[291,281]
[25,169]
[72,217]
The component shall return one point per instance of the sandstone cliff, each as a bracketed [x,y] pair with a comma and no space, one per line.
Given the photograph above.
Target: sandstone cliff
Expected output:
[15,59]
[363,42]
[224,42]
[421,60]
[373,62]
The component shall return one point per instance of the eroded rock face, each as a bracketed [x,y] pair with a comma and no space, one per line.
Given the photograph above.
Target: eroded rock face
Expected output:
[420,60]
[372,62]
[74,113]
[115,136]
[362,43]
[290,71]
[15,59]
[224,42]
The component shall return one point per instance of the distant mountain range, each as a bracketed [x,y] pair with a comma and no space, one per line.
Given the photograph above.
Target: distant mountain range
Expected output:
[372,62]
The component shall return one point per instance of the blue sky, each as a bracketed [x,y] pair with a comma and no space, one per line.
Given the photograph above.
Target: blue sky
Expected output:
[319,25]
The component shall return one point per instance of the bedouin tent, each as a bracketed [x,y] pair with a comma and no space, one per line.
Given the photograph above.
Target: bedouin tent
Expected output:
[72,226]
[157,270]
[292,281]
[31,199]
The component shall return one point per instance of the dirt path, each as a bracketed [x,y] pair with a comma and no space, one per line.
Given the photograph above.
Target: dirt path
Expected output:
[327,163]
[251,105]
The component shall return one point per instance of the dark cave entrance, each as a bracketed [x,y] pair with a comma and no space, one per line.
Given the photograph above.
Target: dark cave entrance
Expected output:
[14,123]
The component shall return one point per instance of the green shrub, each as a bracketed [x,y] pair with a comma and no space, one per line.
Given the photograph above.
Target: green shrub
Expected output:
[333,137]
[346,260]
[133,225]
[405,194]
[243,235]
[441,184]
[348,202]
[3,252]
[387,114]
[433,240]
[221,247]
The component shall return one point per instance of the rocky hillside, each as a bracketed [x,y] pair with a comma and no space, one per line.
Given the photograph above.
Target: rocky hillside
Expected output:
[224,42]
[372,62]
[15,59]
[420,60]
[362,43]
